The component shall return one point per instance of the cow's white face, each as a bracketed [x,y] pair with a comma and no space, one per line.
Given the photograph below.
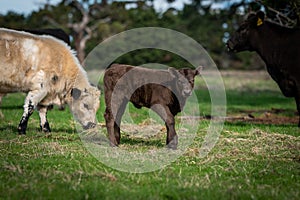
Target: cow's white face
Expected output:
[85,104]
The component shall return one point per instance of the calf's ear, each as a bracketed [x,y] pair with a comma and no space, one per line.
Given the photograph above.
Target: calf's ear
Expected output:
[198,70]
[75,93]
[173,72]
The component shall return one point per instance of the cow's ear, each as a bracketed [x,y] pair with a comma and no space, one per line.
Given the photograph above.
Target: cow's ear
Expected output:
[75,93]
[260,18]
[198,70]
[173,72]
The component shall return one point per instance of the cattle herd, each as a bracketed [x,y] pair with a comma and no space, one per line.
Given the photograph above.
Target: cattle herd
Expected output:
[41,64]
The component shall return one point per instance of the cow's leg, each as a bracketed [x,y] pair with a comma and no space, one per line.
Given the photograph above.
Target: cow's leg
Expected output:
[31,101]
[117,123]
[28,110]
[43,118]
[172,138]
[165,113]
[109,118]
[109,121]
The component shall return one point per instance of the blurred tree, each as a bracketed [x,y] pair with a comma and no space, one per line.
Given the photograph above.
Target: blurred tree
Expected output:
[209,22]
[82,18]
[12,20]
[283,12]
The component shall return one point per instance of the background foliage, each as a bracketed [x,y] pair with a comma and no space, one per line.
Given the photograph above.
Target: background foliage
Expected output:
[209,22]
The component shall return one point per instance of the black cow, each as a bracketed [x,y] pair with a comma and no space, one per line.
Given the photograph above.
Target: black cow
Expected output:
[163,91]
[55,32]
[278,46]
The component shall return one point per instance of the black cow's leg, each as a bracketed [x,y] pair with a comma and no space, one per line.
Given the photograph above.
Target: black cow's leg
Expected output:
[28,110]
[44,124]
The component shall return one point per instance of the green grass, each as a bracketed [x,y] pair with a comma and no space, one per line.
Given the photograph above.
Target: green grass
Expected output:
[249,161]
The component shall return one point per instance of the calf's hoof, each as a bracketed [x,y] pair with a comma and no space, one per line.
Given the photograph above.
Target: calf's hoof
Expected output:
[173,143]
[113,144]
[172,146]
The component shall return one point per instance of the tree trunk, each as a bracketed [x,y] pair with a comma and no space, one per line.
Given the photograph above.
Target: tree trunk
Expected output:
[79,46]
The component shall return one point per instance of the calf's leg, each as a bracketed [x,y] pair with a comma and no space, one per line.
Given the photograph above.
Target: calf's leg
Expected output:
[110,123]
[172,138]
[166,115]
[113,122]
[118,117]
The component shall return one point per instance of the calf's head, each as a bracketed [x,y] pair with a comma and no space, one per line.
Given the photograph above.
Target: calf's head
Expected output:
[242,39]
[85,103]
[183,80]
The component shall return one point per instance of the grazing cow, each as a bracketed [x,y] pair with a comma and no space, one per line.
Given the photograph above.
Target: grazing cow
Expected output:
[59,34]
[46,69]
[163,91]
[278,46]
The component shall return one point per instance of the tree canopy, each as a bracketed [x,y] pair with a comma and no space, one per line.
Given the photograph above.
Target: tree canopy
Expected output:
[209,22]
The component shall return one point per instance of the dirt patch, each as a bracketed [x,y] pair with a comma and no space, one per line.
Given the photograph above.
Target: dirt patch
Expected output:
[273,116]
[267,118]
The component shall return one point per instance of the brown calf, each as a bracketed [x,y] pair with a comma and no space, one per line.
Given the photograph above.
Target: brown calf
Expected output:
[163,91]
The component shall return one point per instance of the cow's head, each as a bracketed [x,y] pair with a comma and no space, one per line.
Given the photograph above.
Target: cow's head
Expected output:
[184,79]
[85,103]
[241,39]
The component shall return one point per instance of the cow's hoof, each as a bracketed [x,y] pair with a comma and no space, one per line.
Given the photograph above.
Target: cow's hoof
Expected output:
[21,131]
[113,144]
[46,128]
[172,146]
[89,126]
[173,143]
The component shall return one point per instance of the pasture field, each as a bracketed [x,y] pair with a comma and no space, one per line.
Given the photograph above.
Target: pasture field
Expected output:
[257,155]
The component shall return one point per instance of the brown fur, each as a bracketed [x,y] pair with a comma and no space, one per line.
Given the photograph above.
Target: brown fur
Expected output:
[164,91]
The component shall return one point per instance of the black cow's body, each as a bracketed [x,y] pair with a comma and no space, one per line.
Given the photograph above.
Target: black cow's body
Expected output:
[163,91]
[55,32]
[279,47]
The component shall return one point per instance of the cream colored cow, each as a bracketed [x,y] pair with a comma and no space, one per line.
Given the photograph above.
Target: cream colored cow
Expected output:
[46,69]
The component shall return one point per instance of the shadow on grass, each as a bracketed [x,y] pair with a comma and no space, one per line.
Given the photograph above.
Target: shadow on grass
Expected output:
[12,107]
[9,128]
[14,130]
[142,142]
